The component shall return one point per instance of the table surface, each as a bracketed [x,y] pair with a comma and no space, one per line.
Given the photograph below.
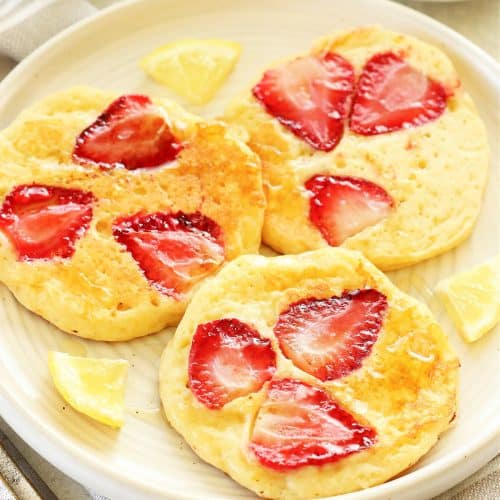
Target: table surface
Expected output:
[478,20]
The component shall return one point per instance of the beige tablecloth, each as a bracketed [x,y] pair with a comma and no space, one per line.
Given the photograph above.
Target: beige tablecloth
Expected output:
[478,20]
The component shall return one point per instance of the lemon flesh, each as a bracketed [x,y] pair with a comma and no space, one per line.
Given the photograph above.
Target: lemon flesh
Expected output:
[194,69]
[95,387]
[472,299]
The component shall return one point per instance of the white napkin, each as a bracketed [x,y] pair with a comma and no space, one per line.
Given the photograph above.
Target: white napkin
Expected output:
[26,24]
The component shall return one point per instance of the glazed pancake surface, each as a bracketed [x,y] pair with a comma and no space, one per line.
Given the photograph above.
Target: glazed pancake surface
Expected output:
[307,376]
[369,142]
[113,209]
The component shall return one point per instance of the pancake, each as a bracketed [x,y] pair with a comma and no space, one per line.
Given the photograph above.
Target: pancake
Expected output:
[308,375]
[369,142]
[101,246]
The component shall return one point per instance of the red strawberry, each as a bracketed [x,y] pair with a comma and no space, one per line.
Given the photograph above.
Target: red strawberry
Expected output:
[392,95]
[329,338]
[44,222]
[300,424]
[228,359]
[131,133]
[174,250]
[343,206]
[310,96]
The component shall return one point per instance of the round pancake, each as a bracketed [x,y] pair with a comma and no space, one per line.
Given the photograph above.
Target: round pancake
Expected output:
[100,292]
[404,389]
[435,173]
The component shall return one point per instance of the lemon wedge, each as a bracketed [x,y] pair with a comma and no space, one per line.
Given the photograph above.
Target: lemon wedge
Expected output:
[194,69]
[472,299]
[95,387]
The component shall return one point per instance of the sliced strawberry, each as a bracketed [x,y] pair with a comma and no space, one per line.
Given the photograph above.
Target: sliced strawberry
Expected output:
[392,95]
[174,250]
[300,424]
[343,206]
[228,359]
[44,222]
[131,133]
[329,338]
[310,96]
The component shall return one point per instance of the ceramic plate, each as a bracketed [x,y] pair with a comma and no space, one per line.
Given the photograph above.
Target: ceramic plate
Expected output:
[147,459]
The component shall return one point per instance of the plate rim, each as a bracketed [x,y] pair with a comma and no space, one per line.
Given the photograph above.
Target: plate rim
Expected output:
[76,463]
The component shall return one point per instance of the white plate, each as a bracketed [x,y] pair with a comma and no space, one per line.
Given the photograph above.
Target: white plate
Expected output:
[147,459]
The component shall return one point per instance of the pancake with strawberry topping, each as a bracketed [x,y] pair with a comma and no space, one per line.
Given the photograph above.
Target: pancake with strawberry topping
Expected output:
[368,142]
[310,375]
[113,209]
